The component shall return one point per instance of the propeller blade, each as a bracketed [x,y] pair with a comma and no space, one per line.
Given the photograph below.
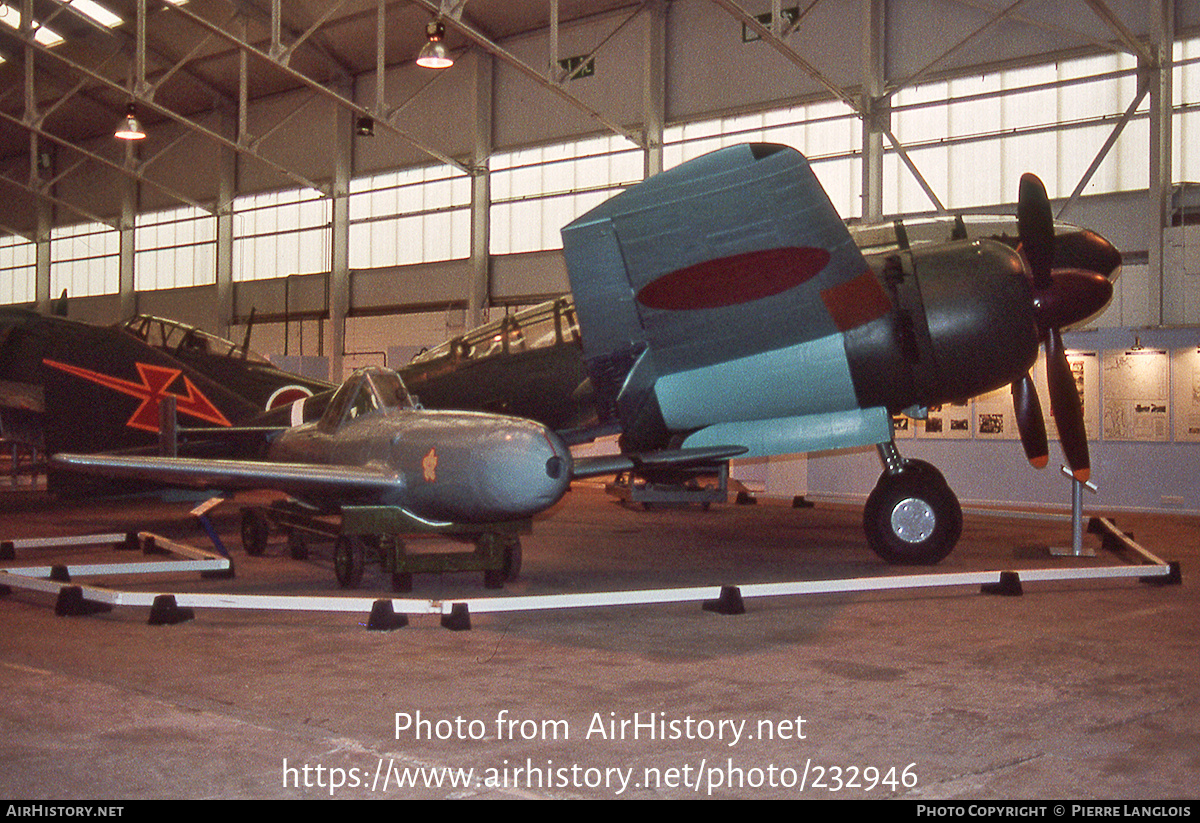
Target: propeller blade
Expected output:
[1035,225]
[1030,422]
[1065,405]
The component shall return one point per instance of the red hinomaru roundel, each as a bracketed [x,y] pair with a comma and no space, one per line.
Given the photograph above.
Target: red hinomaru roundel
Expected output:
[732,280]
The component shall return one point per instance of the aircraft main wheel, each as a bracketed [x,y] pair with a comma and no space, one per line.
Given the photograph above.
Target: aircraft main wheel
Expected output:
[912,518]
[348,560]
[926,470]
[255,531]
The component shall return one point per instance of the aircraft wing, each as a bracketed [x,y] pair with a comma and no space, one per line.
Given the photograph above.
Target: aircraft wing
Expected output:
[301,479]
[583,467]
[24,397]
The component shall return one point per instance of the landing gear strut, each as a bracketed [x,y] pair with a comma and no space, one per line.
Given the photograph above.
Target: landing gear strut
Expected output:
[911,517]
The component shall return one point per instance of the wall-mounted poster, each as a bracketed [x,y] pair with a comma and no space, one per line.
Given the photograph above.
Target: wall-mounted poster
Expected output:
[949,420]
[994,415]
[1136,395]
[1185,396]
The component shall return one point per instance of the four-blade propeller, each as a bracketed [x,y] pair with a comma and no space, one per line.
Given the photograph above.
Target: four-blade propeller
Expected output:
[1063,294]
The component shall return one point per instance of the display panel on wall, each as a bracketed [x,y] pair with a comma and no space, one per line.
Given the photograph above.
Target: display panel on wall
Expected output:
[1136,395]
[1185,366]
[1139,394]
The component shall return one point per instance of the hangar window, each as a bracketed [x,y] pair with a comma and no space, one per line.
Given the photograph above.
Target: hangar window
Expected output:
[175,248]
[281,233]
[537,191]
[1186,129]
[85,259]
[419,215]
[973,137]
[18,265]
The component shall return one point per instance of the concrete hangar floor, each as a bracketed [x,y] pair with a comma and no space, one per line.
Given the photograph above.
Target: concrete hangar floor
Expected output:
[1073,690]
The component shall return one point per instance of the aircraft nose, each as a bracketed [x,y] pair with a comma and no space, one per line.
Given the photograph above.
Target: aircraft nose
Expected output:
[524,469]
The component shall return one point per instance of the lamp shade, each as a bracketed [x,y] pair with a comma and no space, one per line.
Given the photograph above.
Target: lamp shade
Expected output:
[434,54]
[130,128]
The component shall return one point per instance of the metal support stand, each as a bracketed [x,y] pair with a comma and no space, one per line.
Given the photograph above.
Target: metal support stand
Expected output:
[1077,549]
[201,515]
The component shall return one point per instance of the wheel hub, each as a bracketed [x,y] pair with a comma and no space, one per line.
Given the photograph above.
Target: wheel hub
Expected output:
[913,520]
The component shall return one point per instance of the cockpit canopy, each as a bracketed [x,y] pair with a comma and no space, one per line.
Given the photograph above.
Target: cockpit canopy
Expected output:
[371,390]
[173,336]
[552,323]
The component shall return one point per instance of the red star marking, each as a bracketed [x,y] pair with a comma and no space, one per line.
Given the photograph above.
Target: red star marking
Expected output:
[150,391]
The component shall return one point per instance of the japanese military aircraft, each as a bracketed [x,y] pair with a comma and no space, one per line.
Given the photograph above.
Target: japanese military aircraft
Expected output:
[724,303]
[233,365]
[72,386]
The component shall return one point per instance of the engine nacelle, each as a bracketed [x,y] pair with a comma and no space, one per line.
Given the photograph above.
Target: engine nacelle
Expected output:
[963,324]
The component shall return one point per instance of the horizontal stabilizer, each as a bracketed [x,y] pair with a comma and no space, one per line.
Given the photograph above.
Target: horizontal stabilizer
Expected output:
[675,458]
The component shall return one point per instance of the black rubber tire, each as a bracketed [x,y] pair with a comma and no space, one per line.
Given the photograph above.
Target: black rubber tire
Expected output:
[348,560]
[512,559]
[297,544]
[912,518]
[256,530]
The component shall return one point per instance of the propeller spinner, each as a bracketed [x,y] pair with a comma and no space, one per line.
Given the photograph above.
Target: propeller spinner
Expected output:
[1061,297]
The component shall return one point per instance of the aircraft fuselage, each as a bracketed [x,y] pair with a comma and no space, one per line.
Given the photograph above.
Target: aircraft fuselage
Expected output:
[454,466]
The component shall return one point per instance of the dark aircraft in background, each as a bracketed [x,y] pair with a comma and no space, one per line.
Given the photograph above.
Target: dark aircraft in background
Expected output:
[529,364]
[724,304]
[75,387]
[233,365]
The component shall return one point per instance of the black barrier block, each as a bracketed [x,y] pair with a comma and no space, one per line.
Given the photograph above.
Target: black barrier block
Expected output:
[384,618]
[59,574]
[129,544]
[71,603]
[8,551]
[459,619]
[166,612]
[729,602]
[798,502]
[1009,585]
[219,574]
[1174,577]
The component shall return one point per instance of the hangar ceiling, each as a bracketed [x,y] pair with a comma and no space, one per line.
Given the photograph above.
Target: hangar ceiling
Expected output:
[186,61]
